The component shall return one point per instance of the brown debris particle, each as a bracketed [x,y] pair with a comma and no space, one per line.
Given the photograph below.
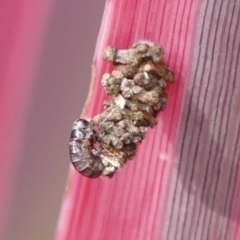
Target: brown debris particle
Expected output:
[102,145]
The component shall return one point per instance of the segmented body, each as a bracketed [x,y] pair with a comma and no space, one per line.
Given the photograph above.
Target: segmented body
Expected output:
[103,145]
[81,149]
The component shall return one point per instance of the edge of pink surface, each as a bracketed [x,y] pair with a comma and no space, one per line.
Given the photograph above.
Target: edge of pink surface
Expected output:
[132,204]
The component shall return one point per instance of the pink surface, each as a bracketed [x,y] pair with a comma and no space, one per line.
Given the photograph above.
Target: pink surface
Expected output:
[132,204]
[204,199]
[184,182]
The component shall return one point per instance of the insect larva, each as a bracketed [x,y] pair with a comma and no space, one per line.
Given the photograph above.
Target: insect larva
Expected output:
[81,146]
[103,145]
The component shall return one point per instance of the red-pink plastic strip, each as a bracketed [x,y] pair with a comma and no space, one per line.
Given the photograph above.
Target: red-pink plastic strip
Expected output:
[184,181]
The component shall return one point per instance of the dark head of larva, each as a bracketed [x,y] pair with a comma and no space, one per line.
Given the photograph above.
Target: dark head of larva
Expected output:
[103,145]
[80,129]
[81,149]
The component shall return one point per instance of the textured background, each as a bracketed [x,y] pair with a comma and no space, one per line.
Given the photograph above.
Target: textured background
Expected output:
[204,197]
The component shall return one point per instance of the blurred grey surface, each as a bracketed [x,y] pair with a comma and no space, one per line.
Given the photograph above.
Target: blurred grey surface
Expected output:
[60,90]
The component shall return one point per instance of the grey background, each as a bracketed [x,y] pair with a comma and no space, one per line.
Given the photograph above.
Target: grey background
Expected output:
[60,90]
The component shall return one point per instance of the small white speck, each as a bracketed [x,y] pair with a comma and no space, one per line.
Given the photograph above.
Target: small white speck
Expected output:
[146,75]
[120,101]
